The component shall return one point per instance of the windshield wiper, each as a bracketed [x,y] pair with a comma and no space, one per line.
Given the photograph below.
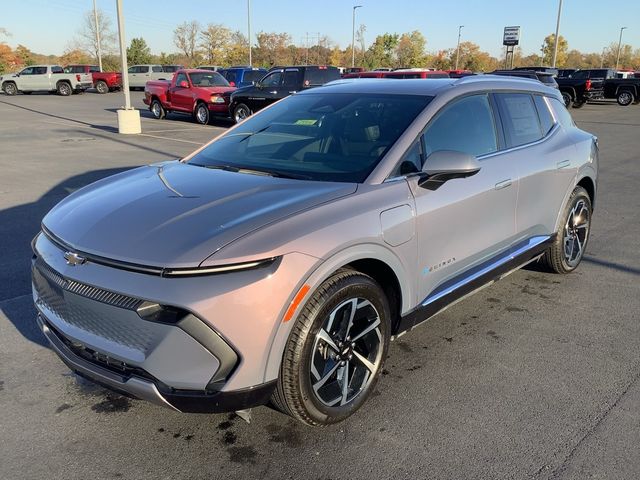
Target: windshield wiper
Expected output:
[257,171]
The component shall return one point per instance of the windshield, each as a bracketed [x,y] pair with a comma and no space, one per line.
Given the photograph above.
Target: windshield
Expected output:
[208,79]
[333,137]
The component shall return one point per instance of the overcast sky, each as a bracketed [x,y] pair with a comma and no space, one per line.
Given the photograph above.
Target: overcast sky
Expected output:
[47,26]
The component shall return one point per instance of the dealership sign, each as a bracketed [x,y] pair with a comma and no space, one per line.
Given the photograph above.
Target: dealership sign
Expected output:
[511,36]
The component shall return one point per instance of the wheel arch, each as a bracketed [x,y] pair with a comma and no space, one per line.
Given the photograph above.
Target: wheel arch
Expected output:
[373,260]
[589,185]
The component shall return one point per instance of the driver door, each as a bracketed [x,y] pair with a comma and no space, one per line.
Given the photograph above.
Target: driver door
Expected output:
[182,97]
[465,221]
[266,92]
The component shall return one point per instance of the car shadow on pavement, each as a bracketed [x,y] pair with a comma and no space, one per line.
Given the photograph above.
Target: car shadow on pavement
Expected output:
[183,118]
[18,226]
[107,128]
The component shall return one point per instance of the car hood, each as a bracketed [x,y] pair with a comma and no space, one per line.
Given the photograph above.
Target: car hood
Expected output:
[176,215]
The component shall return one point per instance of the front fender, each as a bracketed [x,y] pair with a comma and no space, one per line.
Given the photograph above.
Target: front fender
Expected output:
[322,270]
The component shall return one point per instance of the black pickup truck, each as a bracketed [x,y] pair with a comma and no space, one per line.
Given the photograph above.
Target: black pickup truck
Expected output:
[625,90]
[583,85]
[278,83]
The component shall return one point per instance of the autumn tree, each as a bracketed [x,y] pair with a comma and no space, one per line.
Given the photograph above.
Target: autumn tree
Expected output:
[548,47]
[25,55]
[271,48]
[410,51]
[214,41]
[74,56]
[185,37]
[237,52]
[87,34]
[138,52]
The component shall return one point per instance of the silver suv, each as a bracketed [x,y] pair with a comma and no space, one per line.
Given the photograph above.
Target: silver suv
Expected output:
[278,261]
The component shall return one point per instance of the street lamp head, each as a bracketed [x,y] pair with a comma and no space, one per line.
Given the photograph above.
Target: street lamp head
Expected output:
[357,6]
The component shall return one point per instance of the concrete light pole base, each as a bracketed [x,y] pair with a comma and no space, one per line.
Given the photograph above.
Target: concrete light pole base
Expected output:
[129,121]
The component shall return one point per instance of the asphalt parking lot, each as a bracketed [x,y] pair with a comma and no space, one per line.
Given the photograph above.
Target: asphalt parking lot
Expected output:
[534,377]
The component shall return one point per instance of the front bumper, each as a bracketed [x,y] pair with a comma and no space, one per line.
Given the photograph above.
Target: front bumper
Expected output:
[146,389]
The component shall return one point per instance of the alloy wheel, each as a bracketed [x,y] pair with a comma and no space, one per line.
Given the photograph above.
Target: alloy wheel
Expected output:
[576,233]
[202,114]
[347,352]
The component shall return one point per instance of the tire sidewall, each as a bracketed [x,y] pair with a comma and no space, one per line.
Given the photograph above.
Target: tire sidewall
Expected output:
[567,99]
[195,114]
[159,115]
[11,87]
[102,87]
[64,89]
[351,287]
[578,194]
[241,106]
[622,95]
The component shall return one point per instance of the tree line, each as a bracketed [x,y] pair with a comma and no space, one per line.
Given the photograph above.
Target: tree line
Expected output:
[215,44]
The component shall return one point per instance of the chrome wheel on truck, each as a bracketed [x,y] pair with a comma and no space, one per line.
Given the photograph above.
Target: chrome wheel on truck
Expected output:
[201,114]
[157,110]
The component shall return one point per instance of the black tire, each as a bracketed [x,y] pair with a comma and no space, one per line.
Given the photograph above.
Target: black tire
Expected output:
[555,258]
[157,110]
[9,88]
[201,113]
[567,98]
[102,87]
[241,112]
[64,89]
[295,394]
[579,104]
[625,98]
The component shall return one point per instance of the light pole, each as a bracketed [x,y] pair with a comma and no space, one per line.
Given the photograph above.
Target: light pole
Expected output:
[619,47]
[128,117]
[557,39]
[95,17]
[542,55]
[249,28]
[458,47]
[353,35]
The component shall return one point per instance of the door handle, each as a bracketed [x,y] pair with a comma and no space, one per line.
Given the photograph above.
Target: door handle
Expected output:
[503,184]
[563,164]
[273,92]
[293,91]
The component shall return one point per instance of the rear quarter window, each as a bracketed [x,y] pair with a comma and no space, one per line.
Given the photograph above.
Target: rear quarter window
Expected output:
[519,118]
[320,76]
[561,113]
[546,119]
[156,69]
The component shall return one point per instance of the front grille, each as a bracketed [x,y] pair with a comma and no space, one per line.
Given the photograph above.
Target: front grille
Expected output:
[84,290]
[123,327]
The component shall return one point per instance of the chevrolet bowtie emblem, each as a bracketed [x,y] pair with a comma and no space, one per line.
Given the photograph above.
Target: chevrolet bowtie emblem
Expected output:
[74,259]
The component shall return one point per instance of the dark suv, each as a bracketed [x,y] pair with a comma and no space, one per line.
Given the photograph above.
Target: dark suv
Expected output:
[277,84]
[545,77]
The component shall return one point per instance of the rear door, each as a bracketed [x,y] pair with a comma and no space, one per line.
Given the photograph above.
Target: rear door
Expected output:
[466,222]
[544,156]
[40,79]
[137,75]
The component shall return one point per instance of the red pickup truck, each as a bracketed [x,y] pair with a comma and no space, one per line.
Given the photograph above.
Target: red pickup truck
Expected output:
[103,82]
[199,93]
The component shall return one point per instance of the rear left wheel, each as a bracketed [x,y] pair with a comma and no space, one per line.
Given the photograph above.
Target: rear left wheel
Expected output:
[336,350]
[572,236]
[64,89]
[157,110]
[102,87]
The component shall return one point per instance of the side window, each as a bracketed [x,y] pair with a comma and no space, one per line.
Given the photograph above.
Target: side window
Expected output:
[561,113]
[466,125]
[181,78]
[27,71]
[132,70]
[272,80]
[230,76]
[94,69]
[291,78]
[411,161]
[156,69]
[546,119]
[40,70]
[55,69]
[519,118]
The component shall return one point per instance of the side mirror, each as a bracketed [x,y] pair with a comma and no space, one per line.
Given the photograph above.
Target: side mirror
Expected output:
[258,85]
[445,165]
[183,84]
[232,84]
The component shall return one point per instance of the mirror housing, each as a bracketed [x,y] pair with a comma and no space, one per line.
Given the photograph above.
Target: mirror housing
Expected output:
[183,84]
[232,84]
[445,165]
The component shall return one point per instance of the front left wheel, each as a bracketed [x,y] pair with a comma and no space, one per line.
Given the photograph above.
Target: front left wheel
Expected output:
[201,114]
[336,350]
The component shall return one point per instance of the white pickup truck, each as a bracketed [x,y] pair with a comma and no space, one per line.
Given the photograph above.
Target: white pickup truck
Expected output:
[45,78]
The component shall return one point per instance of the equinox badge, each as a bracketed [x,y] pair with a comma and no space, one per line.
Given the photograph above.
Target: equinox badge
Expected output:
[74,259]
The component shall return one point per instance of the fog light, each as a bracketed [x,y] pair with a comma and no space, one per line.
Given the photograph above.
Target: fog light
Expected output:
[154,312]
